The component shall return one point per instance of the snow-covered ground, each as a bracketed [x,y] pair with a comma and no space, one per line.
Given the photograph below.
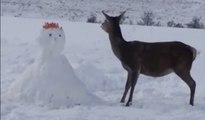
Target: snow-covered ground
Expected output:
[89,52]
[181,11]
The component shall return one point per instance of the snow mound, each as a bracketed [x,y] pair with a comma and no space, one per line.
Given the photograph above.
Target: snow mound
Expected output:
[52,84]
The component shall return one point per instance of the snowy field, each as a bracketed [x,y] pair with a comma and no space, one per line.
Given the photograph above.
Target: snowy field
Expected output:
[89,52]
[181,11]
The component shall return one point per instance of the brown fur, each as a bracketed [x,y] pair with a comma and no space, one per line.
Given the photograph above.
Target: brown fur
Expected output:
[152,59]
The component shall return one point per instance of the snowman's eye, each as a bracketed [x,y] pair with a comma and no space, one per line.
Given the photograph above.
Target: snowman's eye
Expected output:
[50,34]
[59,35]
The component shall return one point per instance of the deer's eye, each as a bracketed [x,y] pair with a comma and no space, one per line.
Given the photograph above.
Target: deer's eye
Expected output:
[50,35]
[59,35]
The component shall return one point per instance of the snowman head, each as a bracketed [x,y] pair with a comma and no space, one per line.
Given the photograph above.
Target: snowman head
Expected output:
[52,38]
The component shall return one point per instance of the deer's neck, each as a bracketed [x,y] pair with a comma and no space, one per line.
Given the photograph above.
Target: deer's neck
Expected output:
[117,42]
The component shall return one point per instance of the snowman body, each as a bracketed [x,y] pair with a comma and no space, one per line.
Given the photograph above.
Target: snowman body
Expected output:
[51,80]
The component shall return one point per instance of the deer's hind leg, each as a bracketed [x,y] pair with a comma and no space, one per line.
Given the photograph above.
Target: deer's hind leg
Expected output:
[184,73]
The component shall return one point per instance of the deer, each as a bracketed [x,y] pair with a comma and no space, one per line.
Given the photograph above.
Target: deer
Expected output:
[154,59]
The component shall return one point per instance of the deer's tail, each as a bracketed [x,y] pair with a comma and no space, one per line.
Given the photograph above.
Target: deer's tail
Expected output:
[194,51]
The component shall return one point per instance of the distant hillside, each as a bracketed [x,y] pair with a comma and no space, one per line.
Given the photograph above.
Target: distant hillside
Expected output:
[80,10]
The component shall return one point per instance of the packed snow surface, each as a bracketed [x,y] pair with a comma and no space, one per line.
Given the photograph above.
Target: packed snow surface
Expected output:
[88,52]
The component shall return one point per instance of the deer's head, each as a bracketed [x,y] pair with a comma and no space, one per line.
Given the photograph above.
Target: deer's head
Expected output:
[111,23]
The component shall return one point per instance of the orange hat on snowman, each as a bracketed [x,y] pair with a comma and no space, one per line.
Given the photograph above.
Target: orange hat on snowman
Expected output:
[51,26]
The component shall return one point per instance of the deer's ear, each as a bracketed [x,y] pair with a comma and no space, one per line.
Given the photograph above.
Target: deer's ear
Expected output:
[106,16]
[121,15]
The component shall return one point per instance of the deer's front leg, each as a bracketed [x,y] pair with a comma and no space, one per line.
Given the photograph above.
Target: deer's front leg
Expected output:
[127,87]
[133,78]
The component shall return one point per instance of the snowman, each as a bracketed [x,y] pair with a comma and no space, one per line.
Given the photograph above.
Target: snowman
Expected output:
[51,80]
